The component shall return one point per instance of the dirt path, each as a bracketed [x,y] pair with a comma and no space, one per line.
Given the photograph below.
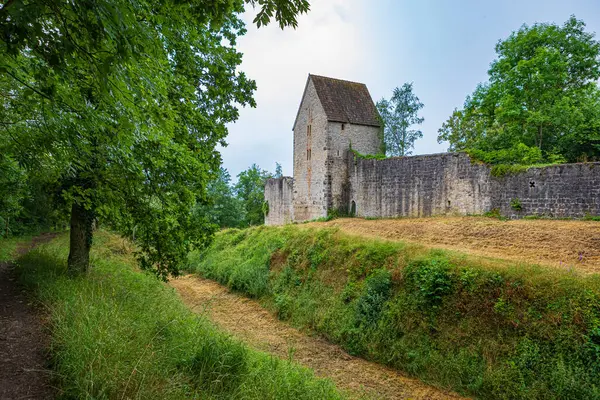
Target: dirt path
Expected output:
[23,343]
[248,321]
[555,243]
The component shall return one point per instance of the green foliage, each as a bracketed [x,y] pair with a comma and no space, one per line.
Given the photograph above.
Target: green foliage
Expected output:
[122,104]
[119,333]
[515,204]
[494,213]
[520,154]
[12,192]
[380,156]
[398,115]
[8,247]
[250,190]
[224,208]
[541,103]
[484,328]
[432,281]
[373,298]
[278,171]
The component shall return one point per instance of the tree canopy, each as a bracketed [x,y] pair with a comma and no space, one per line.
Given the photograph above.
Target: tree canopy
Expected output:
[398,115]
[541,103]
[118,105]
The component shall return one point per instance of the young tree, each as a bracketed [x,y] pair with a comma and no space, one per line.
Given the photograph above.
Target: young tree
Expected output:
[250,189]
[542,93]
[123,103]
[398,115]
[278,171]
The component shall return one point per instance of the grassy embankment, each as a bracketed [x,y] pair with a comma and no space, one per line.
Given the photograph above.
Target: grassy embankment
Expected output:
[482,327]
[118,333]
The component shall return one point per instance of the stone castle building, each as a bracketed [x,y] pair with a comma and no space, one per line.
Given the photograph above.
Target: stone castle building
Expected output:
[337,116]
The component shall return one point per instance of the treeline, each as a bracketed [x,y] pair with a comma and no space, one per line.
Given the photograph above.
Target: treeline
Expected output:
[240,204]
[27,205]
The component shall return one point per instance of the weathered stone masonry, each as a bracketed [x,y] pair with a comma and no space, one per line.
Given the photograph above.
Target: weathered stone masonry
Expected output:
[450,183]
[335,116]
[279,197]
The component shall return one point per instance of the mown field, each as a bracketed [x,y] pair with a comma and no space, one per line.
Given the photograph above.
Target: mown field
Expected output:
[487,328]
[118,333]
[562,244]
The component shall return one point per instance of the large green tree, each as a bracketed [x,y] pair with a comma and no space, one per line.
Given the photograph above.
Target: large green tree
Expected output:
[122,103]
[398,115]
[541,103]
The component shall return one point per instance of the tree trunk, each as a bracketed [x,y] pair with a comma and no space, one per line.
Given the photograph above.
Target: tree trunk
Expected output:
[80,239]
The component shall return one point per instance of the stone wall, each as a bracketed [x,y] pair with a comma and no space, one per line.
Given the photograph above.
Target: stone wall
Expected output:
[279,195]
[364,139]
[568,190]
[418,186]
[450,184]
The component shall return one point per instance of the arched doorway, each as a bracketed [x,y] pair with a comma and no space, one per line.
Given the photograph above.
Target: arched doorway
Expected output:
[353,209]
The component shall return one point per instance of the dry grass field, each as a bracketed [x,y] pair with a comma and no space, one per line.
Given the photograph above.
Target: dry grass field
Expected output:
[565,244]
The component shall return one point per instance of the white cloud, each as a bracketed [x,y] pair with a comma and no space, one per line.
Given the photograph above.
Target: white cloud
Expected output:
[331,40]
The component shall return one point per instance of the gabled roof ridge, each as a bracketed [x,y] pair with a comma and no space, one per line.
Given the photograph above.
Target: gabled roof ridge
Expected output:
[335,79]
[343,101]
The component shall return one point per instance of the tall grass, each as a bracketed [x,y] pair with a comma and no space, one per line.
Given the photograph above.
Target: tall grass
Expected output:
[479,326]
[121,334]
[8,247]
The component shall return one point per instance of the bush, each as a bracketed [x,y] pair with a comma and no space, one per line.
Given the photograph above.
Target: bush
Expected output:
[432,281]
[516,205]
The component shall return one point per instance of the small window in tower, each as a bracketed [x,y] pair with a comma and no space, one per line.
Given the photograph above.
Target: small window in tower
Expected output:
[343,126]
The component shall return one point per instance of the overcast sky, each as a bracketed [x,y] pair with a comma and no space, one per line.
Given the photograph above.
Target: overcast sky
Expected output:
[443,46]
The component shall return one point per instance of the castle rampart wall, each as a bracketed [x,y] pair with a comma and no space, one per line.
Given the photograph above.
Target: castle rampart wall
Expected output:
[364,139]
[279,195]
[560,191]
[450,183]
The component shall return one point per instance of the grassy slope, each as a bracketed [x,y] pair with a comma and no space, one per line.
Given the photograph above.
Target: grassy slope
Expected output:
[478,326]
[118,333]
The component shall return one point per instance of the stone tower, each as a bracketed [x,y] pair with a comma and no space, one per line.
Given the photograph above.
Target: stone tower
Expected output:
[334,116]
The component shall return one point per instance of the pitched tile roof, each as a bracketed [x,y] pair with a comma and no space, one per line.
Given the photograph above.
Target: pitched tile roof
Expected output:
[345,101]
